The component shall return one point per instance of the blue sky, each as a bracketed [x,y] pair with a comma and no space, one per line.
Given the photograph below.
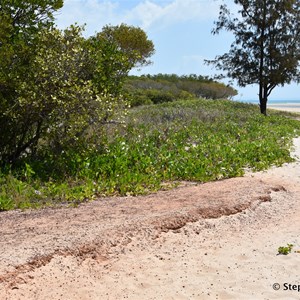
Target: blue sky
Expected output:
[179,29]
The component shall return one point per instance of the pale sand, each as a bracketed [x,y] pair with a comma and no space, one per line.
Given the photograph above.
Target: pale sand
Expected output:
[228,257]
[291,107]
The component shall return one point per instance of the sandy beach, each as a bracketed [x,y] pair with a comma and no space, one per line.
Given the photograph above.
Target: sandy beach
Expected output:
[217,240]
[291,107]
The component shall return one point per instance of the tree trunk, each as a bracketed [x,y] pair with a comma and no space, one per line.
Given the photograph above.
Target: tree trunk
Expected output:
[263,106]
[263,93]
[263,97]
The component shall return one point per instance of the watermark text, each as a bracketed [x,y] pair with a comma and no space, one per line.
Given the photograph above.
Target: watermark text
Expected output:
[286,287]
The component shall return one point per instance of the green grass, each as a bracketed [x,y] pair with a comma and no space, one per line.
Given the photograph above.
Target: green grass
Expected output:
[196,140]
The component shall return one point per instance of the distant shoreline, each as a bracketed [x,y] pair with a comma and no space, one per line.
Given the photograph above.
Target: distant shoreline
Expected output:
[291,107]
[284,105]
[272,102]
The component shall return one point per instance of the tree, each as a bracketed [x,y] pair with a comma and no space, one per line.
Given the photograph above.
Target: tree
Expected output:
[59,108]
[57,88]
[132,41]
[116,50]
[20,21]
[57,104]
[266,50]
[107,65]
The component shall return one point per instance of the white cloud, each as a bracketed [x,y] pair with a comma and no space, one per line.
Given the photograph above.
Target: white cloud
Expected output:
[145,14]
[150,14]
[94,13]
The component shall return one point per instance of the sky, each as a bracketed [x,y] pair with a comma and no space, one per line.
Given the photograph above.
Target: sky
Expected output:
[179,29]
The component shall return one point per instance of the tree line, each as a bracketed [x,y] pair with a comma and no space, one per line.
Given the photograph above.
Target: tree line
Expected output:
[153,89]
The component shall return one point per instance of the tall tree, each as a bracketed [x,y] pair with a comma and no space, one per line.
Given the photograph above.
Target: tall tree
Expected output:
[266,49]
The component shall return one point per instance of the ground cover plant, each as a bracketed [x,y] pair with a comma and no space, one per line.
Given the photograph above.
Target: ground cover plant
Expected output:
[285,250]
[196,140]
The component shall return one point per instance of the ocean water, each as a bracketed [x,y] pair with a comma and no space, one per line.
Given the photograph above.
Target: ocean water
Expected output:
[290,103]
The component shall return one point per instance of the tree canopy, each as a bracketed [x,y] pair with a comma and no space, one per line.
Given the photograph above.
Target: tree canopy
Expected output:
[266,49]
[132,41]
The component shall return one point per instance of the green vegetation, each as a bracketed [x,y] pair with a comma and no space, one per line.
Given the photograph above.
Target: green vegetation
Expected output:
[67,134]
[154,89]
[132,40]
[57,88]
[285,250]
[198,140]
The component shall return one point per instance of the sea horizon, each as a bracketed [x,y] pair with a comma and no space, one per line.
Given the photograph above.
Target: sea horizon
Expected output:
[272,102]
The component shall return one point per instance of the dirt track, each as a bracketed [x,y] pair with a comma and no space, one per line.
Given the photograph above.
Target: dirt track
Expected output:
[156,241]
